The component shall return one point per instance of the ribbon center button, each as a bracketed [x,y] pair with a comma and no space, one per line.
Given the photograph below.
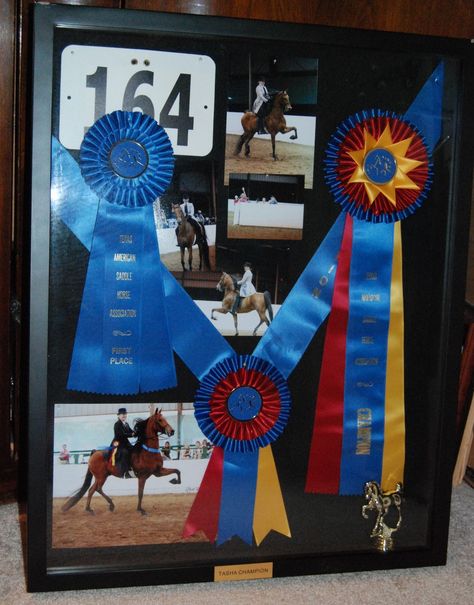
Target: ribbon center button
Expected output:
[380,166]
[128,159]
[244,403]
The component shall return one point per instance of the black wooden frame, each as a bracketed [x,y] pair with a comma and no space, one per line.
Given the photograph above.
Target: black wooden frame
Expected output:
[450,297]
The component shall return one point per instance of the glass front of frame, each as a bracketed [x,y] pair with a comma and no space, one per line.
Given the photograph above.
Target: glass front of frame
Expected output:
[246,243]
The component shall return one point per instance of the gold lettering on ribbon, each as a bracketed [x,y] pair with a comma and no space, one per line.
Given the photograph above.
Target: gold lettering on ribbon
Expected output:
[367,340]
[126,239]
[364,431]
[122,312]
[125,257]
[123,275]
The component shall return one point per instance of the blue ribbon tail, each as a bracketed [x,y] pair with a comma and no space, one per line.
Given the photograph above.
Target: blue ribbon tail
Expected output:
[366,355]
[239,483]
[72,200]
[426,110]
[113,354]
[123,295]
[306,306]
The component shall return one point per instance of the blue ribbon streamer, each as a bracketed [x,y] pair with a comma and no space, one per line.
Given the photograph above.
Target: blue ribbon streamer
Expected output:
[72,200]
[426,110]
[201,347]
[122,295]
[306,306]
[366,354]
[239,483]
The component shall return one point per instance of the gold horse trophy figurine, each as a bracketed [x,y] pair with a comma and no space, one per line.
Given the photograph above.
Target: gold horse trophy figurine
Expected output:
[381,502]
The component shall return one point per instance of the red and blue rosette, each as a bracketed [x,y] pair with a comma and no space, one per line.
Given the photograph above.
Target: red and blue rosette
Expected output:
[377,166]
[379,170]
[122,343]
[242,406]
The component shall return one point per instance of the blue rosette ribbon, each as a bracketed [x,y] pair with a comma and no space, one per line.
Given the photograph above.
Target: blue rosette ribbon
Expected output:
[122,343]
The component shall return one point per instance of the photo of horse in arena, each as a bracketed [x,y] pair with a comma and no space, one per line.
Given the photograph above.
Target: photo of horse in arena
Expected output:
[274,122]
[271,115]
[146,460]
[153,510]
[258,301]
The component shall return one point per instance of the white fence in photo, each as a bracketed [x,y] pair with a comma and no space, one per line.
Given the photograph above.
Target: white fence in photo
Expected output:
[264,214]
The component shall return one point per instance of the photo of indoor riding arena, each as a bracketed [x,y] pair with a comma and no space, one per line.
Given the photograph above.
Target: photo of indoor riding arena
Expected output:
[265,206]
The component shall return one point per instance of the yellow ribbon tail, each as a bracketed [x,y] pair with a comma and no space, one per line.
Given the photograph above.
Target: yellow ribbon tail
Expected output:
[269,512]
[394,444]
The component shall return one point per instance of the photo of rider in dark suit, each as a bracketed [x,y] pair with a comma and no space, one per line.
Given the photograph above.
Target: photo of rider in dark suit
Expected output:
[122,432]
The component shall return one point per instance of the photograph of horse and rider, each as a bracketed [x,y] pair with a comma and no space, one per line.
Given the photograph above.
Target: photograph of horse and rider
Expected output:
[186,217]
[271,117]
[144,458]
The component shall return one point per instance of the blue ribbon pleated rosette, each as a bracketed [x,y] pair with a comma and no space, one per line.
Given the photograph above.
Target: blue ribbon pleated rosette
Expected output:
[127,159]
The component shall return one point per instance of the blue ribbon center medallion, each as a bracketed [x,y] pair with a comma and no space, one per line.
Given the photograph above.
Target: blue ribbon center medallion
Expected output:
[244,403]
[128,159]
[380,166]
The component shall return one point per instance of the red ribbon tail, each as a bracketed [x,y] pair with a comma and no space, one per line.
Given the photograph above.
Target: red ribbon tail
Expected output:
[204,513]
[326,445]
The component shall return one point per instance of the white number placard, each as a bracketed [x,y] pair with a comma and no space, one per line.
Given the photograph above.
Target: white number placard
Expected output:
[177,89]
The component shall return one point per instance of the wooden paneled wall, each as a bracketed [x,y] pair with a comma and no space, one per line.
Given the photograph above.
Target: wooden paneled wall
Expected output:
[452,18]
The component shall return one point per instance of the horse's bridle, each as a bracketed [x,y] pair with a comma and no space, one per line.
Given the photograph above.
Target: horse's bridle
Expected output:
[167,425]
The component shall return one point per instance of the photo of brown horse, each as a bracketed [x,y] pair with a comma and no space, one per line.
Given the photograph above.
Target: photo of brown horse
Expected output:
[190,233]
[275,123]
[146,460]
[260,302]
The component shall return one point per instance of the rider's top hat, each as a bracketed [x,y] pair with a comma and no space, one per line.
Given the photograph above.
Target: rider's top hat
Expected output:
[122,411]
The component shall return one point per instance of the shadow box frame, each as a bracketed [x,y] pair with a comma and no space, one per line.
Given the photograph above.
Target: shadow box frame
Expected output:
[383,70]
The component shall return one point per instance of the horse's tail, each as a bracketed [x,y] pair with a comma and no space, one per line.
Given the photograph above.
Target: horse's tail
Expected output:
[205,248]
[74,499]
[268,304]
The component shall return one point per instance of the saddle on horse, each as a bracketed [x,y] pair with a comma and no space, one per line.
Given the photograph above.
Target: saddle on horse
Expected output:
[120,459]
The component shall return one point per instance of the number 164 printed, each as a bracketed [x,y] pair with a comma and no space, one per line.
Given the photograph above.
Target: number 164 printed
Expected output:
[176,89]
